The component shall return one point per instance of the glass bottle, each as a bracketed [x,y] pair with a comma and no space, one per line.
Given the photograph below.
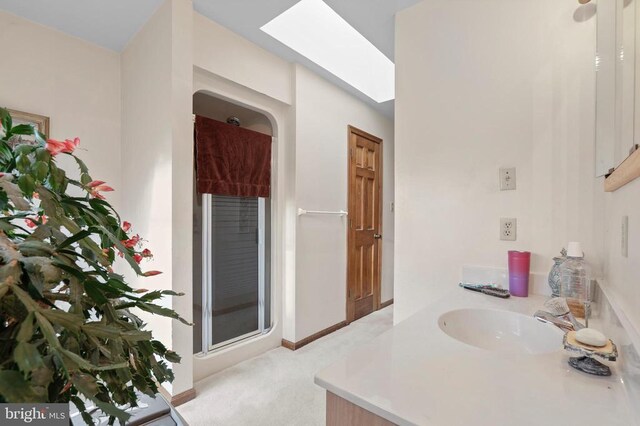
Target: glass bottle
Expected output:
[574,275]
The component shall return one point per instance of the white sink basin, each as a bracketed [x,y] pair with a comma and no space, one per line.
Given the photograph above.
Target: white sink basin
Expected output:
[501,331]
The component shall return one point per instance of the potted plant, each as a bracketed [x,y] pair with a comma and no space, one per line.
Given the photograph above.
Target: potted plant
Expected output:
[68,328]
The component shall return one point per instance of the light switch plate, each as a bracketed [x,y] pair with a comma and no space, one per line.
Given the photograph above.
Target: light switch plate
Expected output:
[508,229]
[625,236]
[507,179]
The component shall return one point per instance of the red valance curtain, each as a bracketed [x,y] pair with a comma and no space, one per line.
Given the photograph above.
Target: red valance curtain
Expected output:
[231,160]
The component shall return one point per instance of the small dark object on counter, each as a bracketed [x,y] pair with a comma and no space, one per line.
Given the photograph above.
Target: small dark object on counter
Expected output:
[487,289]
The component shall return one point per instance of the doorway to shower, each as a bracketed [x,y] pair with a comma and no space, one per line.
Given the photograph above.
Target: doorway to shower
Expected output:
[231,250]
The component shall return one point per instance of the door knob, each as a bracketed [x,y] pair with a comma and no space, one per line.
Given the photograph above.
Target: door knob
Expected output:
[377,236]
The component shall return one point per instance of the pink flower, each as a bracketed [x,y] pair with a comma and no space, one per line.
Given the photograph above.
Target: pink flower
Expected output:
[97,186]
[151,273]
[71,145]
[31,222]
[146,253]
[126,226]
[131,242]
[55,147]
[137,257]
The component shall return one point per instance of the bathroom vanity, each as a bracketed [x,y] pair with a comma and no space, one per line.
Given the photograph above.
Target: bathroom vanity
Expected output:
[470,359]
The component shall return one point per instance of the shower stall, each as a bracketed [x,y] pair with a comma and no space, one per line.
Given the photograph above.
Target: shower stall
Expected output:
[232,256]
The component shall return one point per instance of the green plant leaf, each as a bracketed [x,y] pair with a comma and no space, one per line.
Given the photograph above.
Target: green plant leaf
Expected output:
[86,365]
[70,270]
[43,155]
[93,290]
[118,244]
[26,329]
[48,331]
[118,284]
[23,129]
[6,156]
[74,238]
[36,248]
[136,335]
[10,273]
[172,356]
[14,388]
[14,193]
[101,330]
[24,149]
[158,294]
[40,170]
[5,118]
[25,299]
[64,319]
[83,167]
[159,310]
[41,376]
[4,288]
[112,410]
[27,357]
[27,184]
[23,164]
[85,383]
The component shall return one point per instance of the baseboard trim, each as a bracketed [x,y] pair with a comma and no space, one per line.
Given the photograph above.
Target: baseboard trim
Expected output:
[180,398]
[297,345]
[387,303]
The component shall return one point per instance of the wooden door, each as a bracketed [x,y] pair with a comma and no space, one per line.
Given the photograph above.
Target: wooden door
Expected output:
[365,224]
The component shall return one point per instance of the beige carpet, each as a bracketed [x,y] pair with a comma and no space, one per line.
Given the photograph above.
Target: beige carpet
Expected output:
[276,388]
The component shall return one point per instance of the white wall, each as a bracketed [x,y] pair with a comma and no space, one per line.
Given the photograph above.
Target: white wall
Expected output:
[323,114]
[157,164]
[225,53]
[484,85]
[146,148]
[75,83]
[622,273]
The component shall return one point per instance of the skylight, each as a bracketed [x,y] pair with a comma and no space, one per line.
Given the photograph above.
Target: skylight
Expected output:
[315,31]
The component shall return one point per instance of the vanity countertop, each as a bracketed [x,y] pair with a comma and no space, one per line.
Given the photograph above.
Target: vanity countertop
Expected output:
[415,374]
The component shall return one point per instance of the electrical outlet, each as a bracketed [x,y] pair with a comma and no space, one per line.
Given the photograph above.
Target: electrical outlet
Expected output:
[508,228]
[507,179]
[625,236]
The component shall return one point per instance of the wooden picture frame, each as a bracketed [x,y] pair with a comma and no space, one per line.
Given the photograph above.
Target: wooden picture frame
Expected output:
[40,122]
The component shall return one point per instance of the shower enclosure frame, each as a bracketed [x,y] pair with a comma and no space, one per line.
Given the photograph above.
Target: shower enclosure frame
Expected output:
[207,278]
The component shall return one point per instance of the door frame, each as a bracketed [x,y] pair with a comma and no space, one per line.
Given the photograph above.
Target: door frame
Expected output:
[350,308]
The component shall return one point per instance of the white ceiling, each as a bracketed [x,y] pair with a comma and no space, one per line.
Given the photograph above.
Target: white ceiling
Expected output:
[111,23]
[108,23]
[374,19]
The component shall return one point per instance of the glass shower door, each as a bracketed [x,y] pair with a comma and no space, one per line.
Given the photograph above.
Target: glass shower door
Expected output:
[233,273]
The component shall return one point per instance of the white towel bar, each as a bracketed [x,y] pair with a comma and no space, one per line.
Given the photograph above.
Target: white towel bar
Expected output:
[304,212]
